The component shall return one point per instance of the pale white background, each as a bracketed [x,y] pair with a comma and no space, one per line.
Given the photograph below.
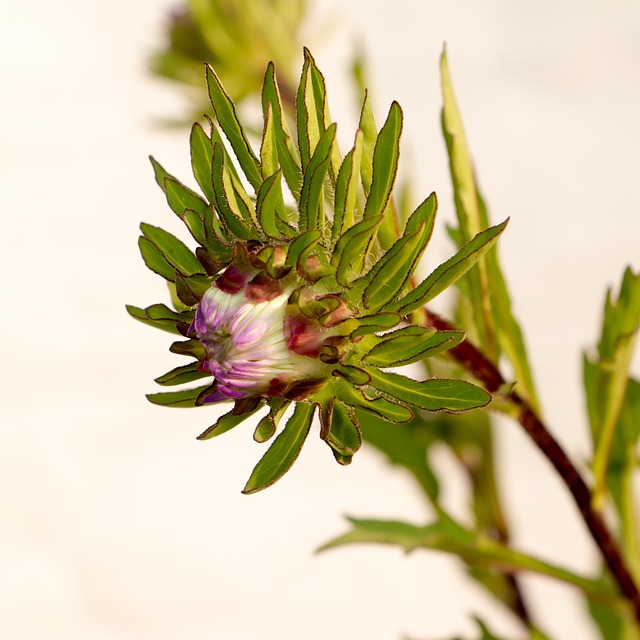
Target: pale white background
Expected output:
[115,523]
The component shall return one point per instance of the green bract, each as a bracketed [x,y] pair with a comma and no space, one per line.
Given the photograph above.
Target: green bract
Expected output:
[330,242]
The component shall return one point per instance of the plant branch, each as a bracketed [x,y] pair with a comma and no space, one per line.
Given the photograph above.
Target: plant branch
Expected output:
[476,363]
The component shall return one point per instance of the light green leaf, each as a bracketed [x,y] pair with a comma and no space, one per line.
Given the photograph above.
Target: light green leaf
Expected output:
[350,249]
[268,203]
[388,277]
[447,273]
[433,394]
[311,196]
[176,253]
[385,162]
[411,344]
[155,260]
[231,214]
[301,247]
[476,550]
[201,154]
[287,154]
[369,137]
[616,347]
[269,146]
[225,112]
[283,452]
[346,191]
[310,109]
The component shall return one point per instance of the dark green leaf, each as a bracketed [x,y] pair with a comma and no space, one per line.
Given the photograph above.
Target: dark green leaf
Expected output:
[186,398]
[344,432]
[433,394]
[283,452]
[191,348]
[181,375]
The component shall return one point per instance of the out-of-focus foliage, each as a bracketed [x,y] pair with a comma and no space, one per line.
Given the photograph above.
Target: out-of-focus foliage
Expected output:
[238,38]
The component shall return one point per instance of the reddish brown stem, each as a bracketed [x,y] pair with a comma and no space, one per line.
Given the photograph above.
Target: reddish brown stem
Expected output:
[476,363]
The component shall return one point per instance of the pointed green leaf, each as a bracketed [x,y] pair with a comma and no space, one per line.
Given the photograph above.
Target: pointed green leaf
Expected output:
[346,191]
[159,172]
[283,452]
[344,432]
[310,110]
[186,398]
[411,344]
[266,428]
[226,115]
[369,137]
[225,423]
[448,272]
[287,154]
[311,198]
[433,394]
[175,251]
[140,315]
[190,347]
[269,203]
[181,375]
[471,216]
[201,154]
[366,325]
[350,249]
[378,406]
[426,213]
[155,260]
[269,146]
[301,247]
[385,162]
[448,536]
[231,215]
[388,277]
[181,198]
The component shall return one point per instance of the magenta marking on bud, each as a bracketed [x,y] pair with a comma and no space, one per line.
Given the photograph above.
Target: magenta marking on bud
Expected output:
[303,336]
[263,288]
[232,280]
